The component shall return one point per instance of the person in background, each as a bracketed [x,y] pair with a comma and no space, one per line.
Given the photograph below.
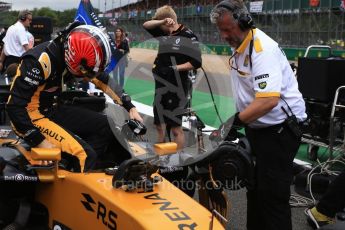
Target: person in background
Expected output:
[10,72]
[2,35]
[122,50]
[16,40]
[269,106]
[127,38]
[178,53]
[332,202]
[129,45]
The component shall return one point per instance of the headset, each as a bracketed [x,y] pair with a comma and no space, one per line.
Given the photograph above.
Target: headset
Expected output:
[244,20]
[23,15]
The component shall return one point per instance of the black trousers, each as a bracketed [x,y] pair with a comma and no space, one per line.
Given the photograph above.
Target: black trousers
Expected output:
[334,199]
[268,202]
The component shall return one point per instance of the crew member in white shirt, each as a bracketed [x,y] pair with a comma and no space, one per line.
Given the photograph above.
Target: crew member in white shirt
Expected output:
[269,107]
[16,40]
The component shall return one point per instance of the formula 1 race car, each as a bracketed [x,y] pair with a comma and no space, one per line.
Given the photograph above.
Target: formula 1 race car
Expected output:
[130,196]
[96,200]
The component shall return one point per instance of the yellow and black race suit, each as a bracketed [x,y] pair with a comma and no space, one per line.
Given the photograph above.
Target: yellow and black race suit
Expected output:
[82,133]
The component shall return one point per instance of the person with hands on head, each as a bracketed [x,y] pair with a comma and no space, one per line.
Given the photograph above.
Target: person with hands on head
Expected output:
[269,106]
[83,135]
[178,53]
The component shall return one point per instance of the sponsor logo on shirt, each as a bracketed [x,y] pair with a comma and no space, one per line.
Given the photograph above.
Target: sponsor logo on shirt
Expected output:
[262,77]
[262,85]
[176,46]
[246,61]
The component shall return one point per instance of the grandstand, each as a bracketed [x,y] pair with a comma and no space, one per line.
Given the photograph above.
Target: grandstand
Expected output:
[4,6]
[293,23]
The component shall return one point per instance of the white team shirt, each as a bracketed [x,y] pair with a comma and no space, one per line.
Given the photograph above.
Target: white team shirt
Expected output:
[270,75]
[31,39]
[15,39]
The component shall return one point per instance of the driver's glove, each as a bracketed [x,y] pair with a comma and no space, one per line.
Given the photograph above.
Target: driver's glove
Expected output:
[136,126]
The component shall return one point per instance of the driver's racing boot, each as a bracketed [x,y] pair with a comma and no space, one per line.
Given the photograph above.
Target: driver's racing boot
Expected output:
[317,219]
